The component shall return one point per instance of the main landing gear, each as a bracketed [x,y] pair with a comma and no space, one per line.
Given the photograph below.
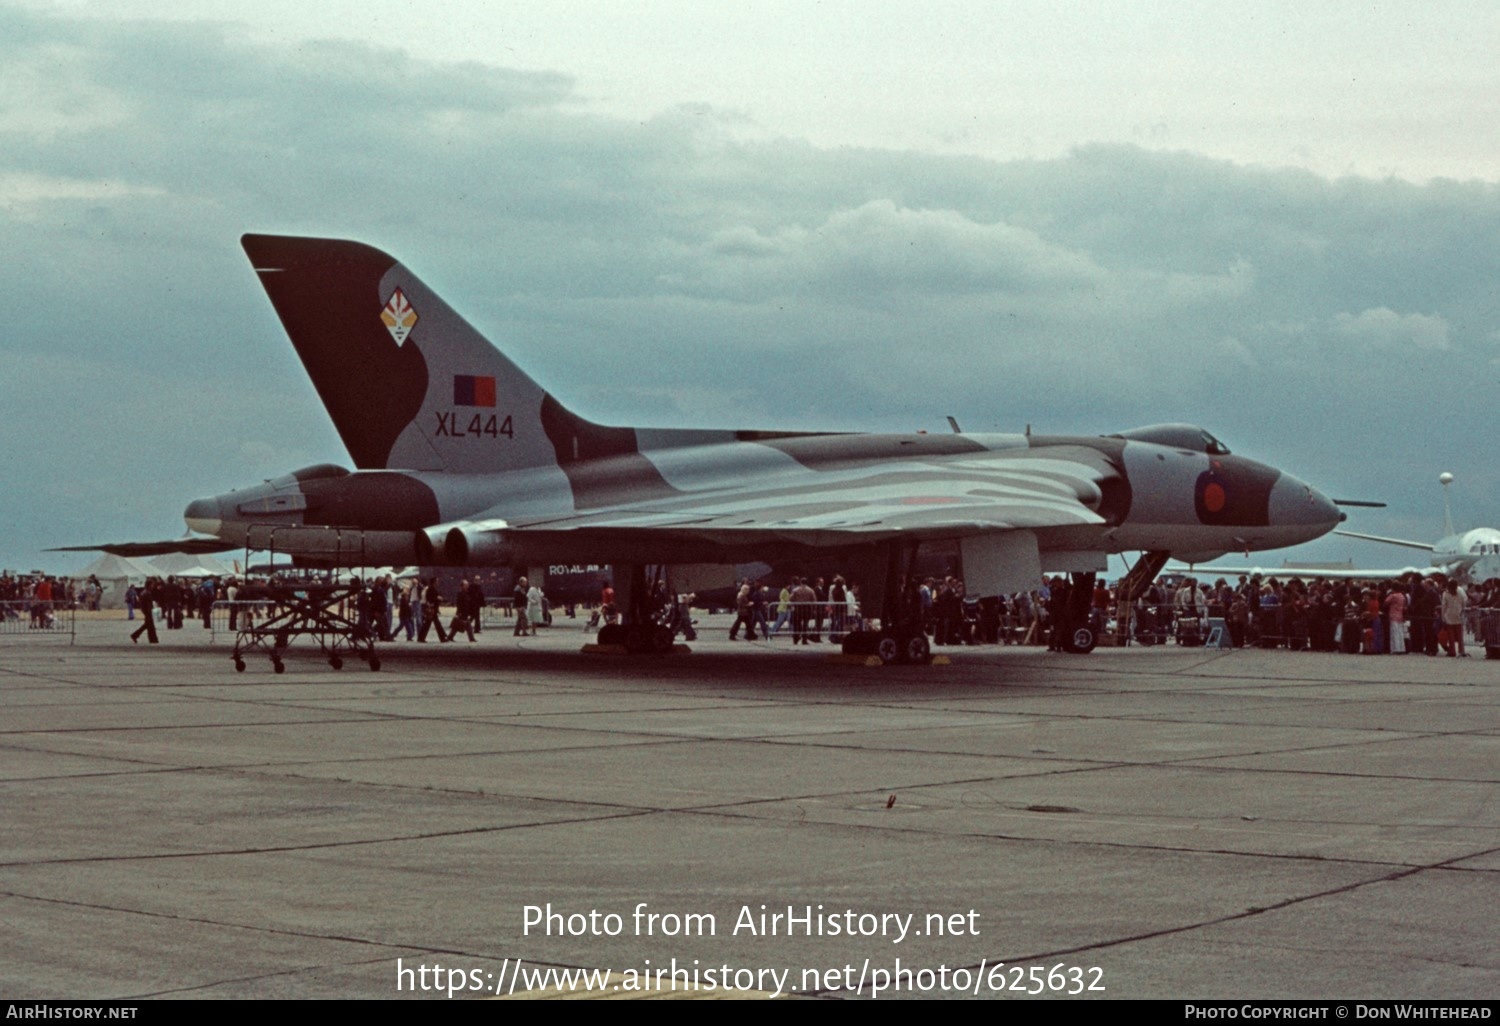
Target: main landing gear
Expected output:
[1080,633]
[1081,640]
[892,646]
[637,638]
[901,639]
[641,633]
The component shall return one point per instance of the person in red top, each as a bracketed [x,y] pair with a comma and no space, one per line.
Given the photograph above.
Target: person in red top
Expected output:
[607,602]
[41,603]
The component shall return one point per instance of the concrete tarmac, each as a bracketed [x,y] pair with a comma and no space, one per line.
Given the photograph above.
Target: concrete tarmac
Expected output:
[1138,823]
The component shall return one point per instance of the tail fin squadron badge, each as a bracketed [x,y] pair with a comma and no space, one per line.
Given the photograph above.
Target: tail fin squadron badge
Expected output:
[399,317]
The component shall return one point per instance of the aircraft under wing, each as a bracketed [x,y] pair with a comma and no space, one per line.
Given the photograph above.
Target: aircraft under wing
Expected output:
[191,546]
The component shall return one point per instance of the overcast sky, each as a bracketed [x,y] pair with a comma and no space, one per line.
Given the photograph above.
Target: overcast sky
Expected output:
[1281,221]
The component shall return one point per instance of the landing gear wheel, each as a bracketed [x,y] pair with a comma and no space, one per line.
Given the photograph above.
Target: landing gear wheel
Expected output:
[918,650]
[278,666]
[635,639]
[1082,640]
[661,639]
[889,649]
[239,665]
[374,663]
[336,662]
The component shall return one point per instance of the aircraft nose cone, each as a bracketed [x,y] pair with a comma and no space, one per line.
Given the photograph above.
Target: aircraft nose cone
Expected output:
[1295,503]
[203,516]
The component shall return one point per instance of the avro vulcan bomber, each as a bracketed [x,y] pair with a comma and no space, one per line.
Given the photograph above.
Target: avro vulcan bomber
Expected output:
[461,458]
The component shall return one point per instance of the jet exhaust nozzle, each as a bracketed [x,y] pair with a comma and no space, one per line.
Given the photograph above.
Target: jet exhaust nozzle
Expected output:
[480,543]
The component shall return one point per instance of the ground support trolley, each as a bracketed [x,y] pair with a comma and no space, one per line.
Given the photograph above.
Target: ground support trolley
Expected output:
[308,611]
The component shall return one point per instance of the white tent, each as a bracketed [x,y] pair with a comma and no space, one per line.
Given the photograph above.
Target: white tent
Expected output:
[115,574]
[370,573]
[181,564]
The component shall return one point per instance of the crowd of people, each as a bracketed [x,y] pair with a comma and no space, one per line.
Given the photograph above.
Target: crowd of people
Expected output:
[810,608]
[381,607]
[1415,614]
[179,602]
[803,608]
[389,609]
[35,598]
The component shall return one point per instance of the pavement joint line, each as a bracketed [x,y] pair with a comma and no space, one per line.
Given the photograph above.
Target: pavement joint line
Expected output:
[723,809]
[398,949]
[810,739]
[1043,956]
[70,731]
[1186,761]
[1392,877]
[652,737]
[1203,851]
[279,974]
[621,812]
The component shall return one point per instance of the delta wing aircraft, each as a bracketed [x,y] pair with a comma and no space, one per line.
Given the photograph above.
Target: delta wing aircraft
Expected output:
[463,459]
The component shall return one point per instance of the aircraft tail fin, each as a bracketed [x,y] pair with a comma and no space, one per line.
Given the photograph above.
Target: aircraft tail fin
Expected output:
[410,385]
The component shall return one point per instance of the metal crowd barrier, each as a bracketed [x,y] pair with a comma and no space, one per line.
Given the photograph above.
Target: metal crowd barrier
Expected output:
[1280,627]
[496,610]
[1193,626]
[229,617]
[31,619]
[1485,627]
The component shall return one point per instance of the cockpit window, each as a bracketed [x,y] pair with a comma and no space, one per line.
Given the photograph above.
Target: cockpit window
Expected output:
[318,471]
[1179,436]
[1212,445]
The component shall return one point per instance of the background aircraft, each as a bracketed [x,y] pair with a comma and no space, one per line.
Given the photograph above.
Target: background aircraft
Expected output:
[1473,554]
[463,459]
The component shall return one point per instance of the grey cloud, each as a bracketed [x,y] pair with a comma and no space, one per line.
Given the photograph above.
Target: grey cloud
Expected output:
[879,248]
[730,280]
[1385,329]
